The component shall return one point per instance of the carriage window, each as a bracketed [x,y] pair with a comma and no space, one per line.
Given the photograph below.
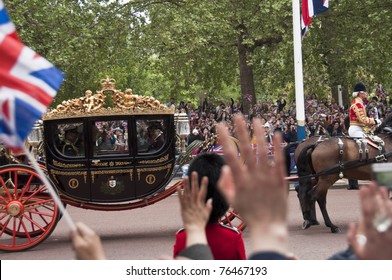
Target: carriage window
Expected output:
[70,139]
[151,135]
[111,137]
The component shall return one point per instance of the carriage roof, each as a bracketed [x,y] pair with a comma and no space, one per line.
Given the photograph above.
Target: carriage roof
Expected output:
[93,105]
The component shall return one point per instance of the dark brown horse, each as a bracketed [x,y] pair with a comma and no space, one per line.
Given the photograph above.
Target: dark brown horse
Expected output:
[322,161]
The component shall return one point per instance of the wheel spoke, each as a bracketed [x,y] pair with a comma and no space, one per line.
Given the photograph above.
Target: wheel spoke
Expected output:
[15,184]
[34,223]
[41,214]
[25,230]
[25,188]
[35,192]
[4,185]
[43,201]
[14,232]
[5,226]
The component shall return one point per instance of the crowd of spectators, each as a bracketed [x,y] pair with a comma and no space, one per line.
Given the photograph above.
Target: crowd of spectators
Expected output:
[258,190]
[321,116]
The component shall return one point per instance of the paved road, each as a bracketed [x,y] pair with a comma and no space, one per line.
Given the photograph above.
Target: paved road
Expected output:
[148,233]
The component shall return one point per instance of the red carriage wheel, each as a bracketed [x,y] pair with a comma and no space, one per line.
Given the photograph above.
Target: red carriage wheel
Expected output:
[28,213]
[233,219]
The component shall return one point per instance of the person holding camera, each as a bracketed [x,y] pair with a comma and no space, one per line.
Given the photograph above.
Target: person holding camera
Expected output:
[312,127]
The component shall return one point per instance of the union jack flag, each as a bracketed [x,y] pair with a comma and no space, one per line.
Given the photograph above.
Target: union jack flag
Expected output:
[28,84]
[218,149]
[310,8]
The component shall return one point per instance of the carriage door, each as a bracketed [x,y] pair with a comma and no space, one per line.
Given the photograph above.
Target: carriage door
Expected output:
[154,159]
[111,171]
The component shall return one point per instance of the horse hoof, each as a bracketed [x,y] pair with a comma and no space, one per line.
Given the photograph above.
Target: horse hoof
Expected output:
[306,224]
[335,230]
[314,223]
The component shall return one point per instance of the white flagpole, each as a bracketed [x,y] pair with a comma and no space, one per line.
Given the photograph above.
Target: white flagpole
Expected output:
[299,80]
[49,187]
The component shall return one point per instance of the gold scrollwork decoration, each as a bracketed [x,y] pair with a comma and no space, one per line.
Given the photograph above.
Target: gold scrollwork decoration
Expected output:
[159,160]
[121,163]
[67,165]
[167,167]
[99,163]
[67,173]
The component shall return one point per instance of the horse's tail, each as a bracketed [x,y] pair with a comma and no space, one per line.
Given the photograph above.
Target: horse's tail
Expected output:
[304,161]
[287,150]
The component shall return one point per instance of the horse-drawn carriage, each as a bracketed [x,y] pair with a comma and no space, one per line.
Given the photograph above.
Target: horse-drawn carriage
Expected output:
[108,151]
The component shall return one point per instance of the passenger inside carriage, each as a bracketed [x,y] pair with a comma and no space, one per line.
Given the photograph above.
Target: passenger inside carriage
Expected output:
[155,137]
[71,142]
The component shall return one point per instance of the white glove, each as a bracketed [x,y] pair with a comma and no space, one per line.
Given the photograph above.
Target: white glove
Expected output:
[378,122]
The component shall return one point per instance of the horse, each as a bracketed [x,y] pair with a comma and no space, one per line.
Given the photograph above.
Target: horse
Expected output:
[322,161]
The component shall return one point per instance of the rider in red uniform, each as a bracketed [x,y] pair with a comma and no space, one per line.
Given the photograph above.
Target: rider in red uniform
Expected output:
[358,120]
[358,117]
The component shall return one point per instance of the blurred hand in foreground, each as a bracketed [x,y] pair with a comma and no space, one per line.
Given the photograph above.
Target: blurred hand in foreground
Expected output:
[256,188]
[195,212]
[86,243]
[373,239]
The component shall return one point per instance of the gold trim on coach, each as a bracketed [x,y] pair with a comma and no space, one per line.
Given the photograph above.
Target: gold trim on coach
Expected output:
[152,161]
[106,172]
[99,164]
[67,165]
[73,183]
[111,163]
[121,163]
[67,173]
[152,169]
[95,104]
[150,179]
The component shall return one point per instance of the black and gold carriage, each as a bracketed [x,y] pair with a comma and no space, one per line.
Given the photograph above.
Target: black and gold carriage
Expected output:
[109,150]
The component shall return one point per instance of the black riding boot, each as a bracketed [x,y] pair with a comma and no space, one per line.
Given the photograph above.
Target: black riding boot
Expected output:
[353,184]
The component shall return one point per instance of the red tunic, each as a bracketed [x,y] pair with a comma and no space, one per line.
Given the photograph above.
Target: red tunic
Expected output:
[358,114]
[226,243]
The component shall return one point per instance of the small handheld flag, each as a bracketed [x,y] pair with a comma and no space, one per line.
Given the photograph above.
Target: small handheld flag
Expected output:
[28,84]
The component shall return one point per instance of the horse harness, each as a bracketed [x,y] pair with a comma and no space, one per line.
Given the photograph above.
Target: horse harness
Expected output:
[374,141]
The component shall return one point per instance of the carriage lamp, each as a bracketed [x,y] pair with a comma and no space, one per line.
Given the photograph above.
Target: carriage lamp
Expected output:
[35,137]
[182,127]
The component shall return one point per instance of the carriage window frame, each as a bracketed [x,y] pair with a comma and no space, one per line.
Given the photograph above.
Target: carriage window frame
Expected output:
[76,130]
[111,127]
[157,127]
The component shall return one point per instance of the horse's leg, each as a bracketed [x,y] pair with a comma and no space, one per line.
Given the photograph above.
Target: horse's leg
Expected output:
[308,204]
[319,192]
[313,216]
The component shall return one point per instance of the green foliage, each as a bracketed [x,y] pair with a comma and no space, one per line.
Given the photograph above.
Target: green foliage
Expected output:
[186,48]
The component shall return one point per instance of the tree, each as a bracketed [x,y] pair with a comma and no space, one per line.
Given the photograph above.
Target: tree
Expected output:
[213,41]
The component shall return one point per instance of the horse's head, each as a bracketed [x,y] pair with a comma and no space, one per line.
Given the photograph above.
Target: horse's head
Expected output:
[387,122]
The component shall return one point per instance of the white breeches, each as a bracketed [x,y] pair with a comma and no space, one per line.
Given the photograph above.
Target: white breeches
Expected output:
[356,131]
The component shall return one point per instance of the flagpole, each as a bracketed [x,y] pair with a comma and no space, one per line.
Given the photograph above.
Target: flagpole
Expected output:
[49,187]
[299,83]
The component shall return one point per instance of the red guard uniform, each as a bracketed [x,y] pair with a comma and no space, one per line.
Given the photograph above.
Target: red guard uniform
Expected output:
[226,242]
[358,115]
